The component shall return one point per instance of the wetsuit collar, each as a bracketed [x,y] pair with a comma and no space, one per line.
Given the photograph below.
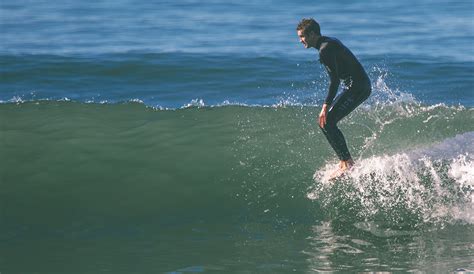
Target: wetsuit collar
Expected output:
[319,41]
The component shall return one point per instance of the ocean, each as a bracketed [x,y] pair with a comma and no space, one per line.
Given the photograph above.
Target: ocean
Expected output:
[181,137]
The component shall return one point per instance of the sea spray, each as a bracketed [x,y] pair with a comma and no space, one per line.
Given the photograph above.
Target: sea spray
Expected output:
[433,185]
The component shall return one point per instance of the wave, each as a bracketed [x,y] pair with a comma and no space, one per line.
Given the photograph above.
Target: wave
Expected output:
[414,159]
[136,160]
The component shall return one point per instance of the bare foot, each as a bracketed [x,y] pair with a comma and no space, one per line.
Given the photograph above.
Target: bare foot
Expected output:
[344,167]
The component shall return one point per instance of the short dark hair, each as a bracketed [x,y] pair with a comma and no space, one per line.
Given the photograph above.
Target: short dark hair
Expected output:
[309,24]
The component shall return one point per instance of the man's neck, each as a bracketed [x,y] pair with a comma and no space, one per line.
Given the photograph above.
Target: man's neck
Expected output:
[319,40]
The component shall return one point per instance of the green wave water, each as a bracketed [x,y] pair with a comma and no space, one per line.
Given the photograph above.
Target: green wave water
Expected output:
[75,173]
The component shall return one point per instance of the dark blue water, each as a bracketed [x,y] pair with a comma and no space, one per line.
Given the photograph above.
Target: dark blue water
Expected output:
[168,54]
[172,80]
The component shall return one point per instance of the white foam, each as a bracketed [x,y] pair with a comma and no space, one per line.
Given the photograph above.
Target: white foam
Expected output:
[435,182]
[198,103]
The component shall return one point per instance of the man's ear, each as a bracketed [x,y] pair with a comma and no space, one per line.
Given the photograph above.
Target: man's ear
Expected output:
[311,35]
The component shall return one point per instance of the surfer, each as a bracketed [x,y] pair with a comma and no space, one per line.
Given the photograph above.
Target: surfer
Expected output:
[341,65]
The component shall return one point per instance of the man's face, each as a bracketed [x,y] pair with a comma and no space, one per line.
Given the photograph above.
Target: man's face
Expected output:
[308,39]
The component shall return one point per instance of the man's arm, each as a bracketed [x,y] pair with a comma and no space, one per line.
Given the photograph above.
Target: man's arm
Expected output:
[328,59]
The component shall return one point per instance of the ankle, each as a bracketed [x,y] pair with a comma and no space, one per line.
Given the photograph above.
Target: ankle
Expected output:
[346,163]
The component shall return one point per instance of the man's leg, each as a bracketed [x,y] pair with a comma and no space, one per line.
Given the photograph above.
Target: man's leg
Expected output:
[344,104]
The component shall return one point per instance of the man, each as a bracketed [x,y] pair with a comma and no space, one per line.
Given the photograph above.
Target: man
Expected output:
[340,64]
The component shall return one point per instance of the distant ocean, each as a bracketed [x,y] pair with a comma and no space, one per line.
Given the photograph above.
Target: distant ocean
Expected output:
[181,137]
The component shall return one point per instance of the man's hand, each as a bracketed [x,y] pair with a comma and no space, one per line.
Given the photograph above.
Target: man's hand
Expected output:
[322,116]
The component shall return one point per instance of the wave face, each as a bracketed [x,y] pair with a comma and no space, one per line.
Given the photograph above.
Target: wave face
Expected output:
[414,161]
[194,171]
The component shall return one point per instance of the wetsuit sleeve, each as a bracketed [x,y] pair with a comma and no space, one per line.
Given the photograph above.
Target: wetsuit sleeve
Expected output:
[328,59]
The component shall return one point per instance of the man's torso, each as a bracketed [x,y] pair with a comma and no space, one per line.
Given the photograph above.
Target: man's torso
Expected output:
[339,60]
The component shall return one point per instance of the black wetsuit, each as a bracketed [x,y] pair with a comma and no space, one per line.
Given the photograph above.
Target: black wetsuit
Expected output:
[341,64]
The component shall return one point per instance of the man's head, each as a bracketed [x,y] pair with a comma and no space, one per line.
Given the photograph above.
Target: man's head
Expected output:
[308,32]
